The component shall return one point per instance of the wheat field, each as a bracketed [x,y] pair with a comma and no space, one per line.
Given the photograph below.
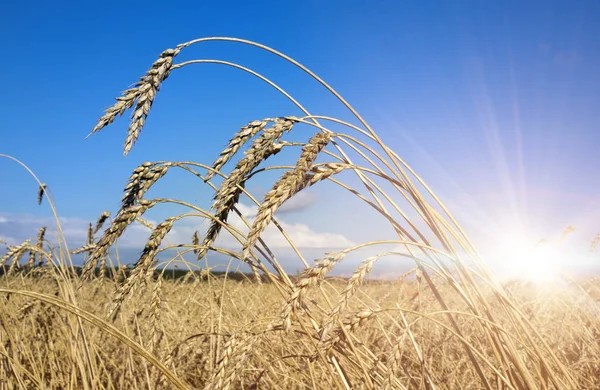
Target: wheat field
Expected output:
[447,323]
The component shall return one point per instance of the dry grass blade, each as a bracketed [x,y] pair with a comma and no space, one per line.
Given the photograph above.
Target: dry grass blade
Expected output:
[105,327]
[238,140]
[290,184]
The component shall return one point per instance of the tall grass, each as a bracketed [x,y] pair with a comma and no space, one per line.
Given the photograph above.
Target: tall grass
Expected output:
[449,323]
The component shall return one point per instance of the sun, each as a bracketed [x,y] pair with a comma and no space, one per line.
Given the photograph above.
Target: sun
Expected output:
[518,257]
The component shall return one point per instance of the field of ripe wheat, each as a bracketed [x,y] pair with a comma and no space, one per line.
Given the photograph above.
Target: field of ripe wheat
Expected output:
[447,323]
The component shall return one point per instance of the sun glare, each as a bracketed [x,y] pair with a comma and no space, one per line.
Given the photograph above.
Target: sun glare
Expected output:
[520,258]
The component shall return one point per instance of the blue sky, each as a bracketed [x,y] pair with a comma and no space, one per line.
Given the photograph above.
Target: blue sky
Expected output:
[494,104]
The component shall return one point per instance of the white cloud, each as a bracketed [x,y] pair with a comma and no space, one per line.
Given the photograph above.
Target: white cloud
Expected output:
[17,228]
[300,201]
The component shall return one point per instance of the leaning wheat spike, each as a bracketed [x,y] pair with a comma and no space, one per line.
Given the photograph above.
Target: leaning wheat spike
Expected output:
[261,148]
[100,222]
[40,194]
[237,361]
[238,140]
[142,96]
[595,243]
[195,241]
[567,231]
[15,250]
[140,181]
[142,266]
[216,382]
[40,245]
[395,364]
[350,325]
[285,188]
[85,248]
[228,194]
[323,172]
[155,305]
[145,223]
[15,264]
[114,231]
[308,277]
[90,234]
[102,271]
[355,281]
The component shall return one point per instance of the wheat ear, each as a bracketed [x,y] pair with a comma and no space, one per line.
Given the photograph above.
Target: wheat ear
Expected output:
[308,277]
[358,276]
[114,231]
[40,193]
[142,95]
[238,140]
[140,181]
[290,184]
[15,251]
[100,222]
[40,245]
[142,266]
[228,194]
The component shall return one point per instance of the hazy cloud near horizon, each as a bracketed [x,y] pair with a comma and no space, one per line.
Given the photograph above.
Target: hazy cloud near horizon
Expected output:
[15,228]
